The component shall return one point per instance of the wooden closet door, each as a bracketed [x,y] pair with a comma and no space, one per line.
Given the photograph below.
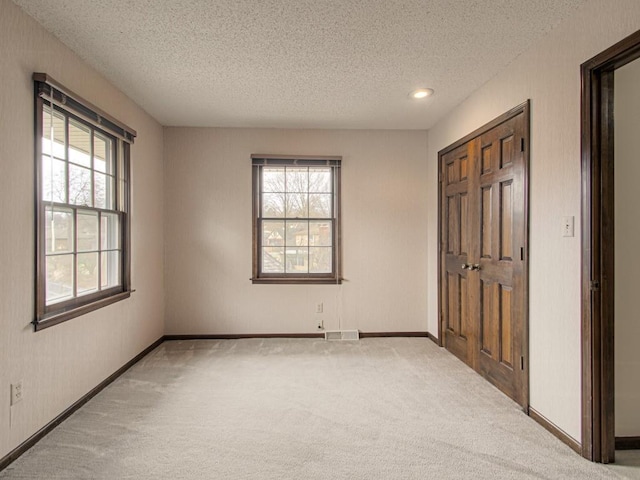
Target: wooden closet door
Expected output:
[458,232]
[482,264]
[501,239]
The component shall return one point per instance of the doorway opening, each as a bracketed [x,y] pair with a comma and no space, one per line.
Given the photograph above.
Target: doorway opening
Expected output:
[599,439]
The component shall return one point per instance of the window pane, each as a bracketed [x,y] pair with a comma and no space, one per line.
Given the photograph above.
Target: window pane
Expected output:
[297,180]
[58,133]
[54,180]
[80,186]
[59,278]
[297,205]
[104,185]
[273,259]
[272,233]
[320,180]
[79,143]
[273,179]
[110,269]
[297,260]
[320,234]
[110,231]
[320,259]
[59,230]
[87,273]
[297,234]
[319,205]
[87,231]
[273,205]
[103,154]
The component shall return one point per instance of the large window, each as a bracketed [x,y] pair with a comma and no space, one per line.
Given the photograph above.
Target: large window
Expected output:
[296,219]
[82,203]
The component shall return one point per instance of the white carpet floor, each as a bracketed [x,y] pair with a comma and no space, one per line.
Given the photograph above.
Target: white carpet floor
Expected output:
[392,408]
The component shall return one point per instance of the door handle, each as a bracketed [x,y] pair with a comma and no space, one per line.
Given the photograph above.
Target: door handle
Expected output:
[474,267]
[465,266]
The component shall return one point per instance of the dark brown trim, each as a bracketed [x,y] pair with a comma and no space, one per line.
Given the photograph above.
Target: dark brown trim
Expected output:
[627,443]
[393,334]
[335,277]
[485,128]
[40,434]
[296,281]
[238,336]
[233,336]
[76,312]
[556,431]
[434,339]
[597,238]
[50,315]
[48,80]
[270,156]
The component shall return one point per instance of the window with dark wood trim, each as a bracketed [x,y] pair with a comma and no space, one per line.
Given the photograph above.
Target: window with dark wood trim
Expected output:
[296,219]
[82,205]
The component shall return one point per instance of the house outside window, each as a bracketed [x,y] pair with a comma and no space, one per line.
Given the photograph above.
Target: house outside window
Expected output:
[82,205]
[296,219]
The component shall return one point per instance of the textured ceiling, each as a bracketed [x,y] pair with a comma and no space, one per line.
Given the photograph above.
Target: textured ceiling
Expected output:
[298,63]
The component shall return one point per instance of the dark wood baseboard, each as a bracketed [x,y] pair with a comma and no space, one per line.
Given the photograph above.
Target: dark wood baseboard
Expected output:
[36,437]
[238,336]
[392,334]
[556,431]
[627,443]
[434,339]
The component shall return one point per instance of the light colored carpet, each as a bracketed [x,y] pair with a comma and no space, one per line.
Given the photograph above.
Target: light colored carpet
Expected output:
[394,408]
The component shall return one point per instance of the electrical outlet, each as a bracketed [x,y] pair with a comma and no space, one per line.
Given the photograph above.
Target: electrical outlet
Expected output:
[16,392]
[319,307]
[320,325]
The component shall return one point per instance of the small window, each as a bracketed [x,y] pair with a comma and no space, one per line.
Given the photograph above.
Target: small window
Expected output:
[82,211]
[296,219]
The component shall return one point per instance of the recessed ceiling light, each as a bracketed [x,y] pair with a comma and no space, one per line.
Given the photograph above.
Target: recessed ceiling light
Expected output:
[421,93]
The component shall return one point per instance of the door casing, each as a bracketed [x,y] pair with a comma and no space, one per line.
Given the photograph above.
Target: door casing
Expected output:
[597,239]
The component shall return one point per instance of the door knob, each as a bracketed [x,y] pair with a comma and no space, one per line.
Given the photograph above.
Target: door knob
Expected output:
[464,266]
[474,267]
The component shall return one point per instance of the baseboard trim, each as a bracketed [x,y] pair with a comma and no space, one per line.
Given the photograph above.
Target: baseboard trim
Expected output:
[40,434]
[434,339]
[392,334]
[238,336]
[627,443]
[556,431]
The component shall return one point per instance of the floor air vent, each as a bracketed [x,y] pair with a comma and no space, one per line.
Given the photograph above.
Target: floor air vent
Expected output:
[341,335]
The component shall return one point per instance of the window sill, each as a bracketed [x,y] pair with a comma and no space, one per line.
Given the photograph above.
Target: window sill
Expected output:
[56,318]
[297,281]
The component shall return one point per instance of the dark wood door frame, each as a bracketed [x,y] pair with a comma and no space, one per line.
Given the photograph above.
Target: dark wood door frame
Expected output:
[597,137]
[522,108]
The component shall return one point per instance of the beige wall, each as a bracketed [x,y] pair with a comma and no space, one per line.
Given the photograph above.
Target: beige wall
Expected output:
[208,234]
[548,74]
[60,364]
[627,234]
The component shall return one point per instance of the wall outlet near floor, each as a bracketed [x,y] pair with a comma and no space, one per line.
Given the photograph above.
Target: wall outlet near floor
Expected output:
[16,392]
[319,307]
[320,325]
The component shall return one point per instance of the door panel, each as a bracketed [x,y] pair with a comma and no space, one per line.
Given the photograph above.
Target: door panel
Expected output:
[457,238]
[483,283]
